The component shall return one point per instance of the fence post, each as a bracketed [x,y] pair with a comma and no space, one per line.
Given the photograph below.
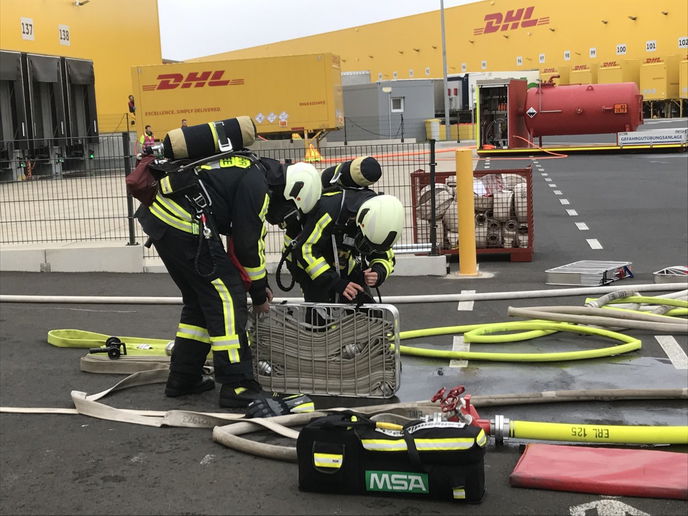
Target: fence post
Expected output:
[433,220]
[466,212]
[346,142]
[130,200]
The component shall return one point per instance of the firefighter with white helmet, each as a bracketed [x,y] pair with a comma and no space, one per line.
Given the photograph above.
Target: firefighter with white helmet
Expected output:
[345,247]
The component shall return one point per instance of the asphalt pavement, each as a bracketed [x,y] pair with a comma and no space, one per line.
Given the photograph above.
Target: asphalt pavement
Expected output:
[635,209]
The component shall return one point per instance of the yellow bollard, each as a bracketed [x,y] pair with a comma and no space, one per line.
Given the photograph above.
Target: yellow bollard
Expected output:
[466,209]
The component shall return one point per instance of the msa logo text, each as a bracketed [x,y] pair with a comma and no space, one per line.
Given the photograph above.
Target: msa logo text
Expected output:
[397,482]
[170,81]
[510,20]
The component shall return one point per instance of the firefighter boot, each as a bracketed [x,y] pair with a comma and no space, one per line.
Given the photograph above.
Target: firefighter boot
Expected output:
[181,384]
[186,369]
[242,394]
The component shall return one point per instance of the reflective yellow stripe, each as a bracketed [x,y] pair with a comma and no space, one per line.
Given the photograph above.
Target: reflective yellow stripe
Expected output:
[216,145]
[387,262]
[307,252]
[255,272]
[317,268]
[384,444]
[230,340]
[191,332]
[259,272]
[459,493]
[450,443]
[304,407]
[183,225]
[327,460]
[165,185]
[174,208]
[481,439]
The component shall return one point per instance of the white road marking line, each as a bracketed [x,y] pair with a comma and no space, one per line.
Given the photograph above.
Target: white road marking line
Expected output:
[582,226]
[548,179]
[594,243]
[572,213]
[677,356]
[466,306]
[459,345]
[552,185]
[564,202]
[544,174]
[557,192]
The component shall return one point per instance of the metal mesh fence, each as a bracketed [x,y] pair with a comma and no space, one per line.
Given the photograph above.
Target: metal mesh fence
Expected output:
[74,190]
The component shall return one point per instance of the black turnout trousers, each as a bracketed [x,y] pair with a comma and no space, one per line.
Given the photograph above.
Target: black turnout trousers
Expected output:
[214,312]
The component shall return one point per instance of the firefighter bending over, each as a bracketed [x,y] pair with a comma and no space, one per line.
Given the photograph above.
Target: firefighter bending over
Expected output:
[184,223]
[345,247]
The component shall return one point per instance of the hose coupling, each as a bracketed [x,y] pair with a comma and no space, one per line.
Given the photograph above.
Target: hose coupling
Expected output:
[500,428]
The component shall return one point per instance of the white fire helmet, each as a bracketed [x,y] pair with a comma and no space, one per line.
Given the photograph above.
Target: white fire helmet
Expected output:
[303,186]
[380,220]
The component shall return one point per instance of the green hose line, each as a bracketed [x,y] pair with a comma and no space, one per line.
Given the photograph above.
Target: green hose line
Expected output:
[470,328]
[483,334]
[441,330]
[629,344]
[600,433]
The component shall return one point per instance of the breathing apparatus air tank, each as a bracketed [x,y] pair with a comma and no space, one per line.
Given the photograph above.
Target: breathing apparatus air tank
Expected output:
[583,109]
[199,141]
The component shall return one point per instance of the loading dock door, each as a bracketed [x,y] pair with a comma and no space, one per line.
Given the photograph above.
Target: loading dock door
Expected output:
[44,93]
[80,96]
[13,116]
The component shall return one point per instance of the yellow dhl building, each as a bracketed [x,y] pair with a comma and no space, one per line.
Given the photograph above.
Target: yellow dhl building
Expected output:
[585,41]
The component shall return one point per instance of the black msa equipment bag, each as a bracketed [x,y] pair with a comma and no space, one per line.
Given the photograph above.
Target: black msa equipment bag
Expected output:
[348,453]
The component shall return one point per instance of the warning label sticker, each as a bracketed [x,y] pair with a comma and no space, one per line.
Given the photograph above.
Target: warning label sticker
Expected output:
[531,112]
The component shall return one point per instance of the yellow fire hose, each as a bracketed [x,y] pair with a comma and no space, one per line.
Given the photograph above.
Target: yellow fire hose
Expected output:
[534,329]
[598,433]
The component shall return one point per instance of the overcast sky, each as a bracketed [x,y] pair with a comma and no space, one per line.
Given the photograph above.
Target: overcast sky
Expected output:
[195,28]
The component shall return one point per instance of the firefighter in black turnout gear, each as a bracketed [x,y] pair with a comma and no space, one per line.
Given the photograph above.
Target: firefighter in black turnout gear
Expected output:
[224,195]
[345,247]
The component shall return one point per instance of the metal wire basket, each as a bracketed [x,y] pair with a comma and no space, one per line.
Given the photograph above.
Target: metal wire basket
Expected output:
[327,349]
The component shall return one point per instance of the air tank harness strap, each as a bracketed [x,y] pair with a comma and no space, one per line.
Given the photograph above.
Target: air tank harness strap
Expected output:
[201,203]
[278,274]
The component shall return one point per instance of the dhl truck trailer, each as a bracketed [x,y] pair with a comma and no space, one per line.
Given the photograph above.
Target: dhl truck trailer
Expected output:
[281,94]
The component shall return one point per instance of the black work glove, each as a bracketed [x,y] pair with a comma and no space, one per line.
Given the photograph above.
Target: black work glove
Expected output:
[267,407]
[275,406]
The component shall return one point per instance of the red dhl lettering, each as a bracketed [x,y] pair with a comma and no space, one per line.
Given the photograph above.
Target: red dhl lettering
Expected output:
[580,67]
[653,60]
[609,64]
[171,81]
[549,70]
[512,19]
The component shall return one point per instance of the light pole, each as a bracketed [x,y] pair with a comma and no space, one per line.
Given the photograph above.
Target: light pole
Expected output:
[444,74]
[388,91]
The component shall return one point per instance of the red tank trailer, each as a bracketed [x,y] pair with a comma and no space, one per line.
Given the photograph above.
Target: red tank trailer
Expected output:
[583,109]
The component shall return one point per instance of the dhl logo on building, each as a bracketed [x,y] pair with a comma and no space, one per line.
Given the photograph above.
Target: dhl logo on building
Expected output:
[170,81]
[510,20]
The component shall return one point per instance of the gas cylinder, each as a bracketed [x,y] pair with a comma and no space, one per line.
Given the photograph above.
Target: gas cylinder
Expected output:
[199,141]
[583,109]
